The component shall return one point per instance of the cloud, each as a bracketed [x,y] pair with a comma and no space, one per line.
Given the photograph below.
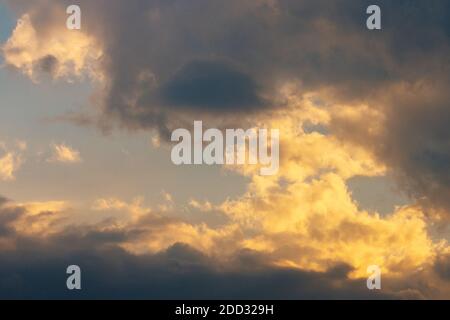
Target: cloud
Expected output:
[8,215]
[133,211]
[10,160]
[443,267]
[68,55]
[167,50]
[64,154]
[8,164]
[211,85]
[35,268]
[34,218]
[409,133]
[178,273]
[296,255]
[306,216]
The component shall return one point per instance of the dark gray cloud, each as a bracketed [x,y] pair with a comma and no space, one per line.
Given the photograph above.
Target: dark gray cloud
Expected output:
[47,64]
[36,270]
[418,147]
[8,215]
[315,42]
[211,85]
[442,267]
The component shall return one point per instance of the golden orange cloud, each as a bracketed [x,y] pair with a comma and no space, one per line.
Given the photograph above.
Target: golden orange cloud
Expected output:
[64,53]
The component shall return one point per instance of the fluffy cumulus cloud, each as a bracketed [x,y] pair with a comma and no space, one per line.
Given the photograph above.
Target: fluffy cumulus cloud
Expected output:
[348,103]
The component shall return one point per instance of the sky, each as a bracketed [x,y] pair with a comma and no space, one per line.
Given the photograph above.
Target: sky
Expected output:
[86,176]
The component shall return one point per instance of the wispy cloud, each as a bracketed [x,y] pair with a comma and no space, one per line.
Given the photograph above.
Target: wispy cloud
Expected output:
[11,159]
[64,154]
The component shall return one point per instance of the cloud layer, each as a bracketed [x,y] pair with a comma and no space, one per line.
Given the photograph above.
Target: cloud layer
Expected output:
[33,266]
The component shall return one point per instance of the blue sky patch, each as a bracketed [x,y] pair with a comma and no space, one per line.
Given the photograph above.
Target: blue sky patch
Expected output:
[7,23]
